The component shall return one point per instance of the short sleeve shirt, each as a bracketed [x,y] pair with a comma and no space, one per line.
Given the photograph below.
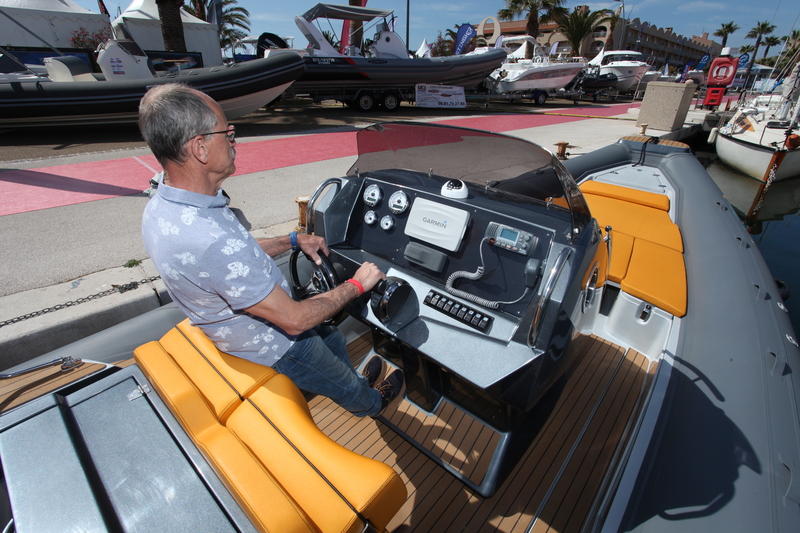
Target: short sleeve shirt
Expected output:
[214,269]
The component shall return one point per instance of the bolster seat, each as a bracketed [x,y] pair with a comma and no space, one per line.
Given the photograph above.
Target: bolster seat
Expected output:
[254,427]
[646,246]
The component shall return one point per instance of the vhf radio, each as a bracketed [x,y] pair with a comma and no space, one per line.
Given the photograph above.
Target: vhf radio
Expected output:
[512,239]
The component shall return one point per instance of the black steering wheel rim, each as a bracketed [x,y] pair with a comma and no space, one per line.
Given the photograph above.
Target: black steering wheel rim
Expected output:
[323,277]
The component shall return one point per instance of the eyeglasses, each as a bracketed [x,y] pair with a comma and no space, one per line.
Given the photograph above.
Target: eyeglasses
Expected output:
[230,133]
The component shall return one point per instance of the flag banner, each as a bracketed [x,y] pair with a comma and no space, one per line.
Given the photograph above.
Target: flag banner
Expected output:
[686,70]
[102,6]
[440,96]
[499,42]
[214,13]
[554,48]
[465,33]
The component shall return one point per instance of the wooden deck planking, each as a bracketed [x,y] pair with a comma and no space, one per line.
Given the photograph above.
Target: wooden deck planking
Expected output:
[437,501]
[26,387]
[575,491]
[520,496]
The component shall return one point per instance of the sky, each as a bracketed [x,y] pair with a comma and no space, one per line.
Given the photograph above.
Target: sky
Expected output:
[428,19]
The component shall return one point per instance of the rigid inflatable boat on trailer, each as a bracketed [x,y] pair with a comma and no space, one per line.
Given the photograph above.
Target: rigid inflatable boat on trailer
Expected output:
[594,345]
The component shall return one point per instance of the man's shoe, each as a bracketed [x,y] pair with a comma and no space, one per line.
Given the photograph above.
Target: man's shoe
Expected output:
[391,388]
[373,370]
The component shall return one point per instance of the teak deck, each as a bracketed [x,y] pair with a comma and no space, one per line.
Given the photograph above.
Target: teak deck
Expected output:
[582,427]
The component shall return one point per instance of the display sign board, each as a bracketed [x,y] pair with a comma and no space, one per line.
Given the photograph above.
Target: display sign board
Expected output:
[440,96]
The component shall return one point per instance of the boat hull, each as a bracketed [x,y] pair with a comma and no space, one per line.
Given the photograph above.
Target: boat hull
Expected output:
[240,88]
[754,159]
[518,77]
[628,75]
[337,73]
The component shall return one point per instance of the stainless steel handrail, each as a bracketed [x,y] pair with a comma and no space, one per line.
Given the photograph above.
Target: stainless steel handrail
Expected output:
[547,290]
[67,363]
[315,197]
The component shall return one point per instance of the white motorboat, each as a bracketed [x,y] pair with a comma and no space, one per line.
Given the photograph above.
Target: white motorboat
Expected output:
[759,139]
[520,73]
[628,65]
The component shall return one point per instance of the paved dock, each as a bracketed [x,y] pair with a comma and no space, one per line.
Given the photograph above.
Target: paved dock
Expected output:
[70,233]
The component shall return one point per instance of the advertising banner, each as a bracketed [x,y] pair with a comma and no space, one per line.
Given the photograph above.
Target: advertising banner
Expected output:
[440,96]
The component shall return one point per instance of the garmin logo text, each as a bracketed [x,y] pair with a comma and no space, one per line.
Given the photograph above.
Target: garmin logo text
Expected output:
[442,224]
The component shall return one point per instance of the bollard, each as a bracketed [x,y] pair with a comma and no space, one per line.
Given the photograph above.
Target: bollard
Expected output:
[302,207]
[644,129]
[562,150]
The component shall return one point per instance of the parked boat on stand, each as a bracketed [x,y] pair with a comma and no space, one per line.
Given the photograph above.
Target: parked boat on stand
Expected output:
[528,69]
[760,139]
[75,95]
[593,345]
[628,65]
[378,71]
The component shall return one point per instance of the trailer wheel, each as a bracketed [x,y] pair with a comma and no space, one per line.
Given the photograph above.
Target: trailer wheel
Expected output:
[364,102]
[540,98]
[596,97]
[390,101]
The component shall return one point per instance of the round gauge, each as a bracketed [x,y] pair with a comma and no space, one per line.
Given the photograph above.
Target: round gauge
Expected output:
[387,223]
[373,195]
[370,217]
[398,202]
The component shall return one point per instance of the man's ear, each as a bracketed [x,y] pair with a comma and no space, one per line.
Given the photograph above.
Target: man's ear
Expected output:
[198,149]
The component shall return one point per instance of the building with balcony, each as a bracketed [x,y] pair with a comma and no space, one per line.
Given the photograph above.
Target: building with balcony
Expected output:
[660,46]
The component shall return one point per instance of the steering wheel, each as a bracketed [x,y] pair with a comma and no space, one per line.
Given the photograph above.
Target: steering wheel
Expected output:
[323,276]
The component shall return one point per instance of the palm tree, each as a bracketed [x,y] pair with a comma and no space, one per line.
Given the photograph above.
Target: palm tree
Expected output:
[757,33]
[613,19]
[233,18]
[536,10]
[769,42]
[169,12]
[746,49]
[725,30]
[579,24]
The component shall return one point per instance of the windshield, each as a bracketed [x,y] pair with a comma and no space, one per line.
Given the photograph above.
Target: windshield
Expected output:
[489,160]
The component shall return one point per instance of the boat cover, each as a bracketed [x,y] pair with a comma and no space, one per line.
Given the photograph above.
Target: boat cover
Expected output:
[52,20]
[337,12]
[141,22]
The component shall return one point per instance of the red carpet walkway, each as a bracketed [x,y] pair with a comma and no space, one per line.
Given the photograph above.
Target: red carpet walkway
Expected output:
[46,187]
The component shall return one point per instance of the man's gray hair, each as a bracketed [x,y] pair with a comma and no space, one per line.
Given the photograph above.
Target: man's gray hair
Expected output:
[169,116]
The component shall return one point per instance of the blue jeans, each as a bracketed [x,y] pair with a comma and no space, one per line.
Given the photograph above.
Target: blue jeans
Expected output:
[318,363]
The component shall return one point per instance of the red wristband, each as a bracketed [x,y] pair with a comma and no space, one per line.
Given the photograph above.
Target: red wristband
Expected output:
[357,284]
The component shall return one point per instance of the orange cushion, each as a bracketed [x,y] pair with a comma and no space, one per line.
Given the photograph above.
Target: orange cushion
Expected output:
[372,487]
[657,275]
[256,491]
[225,379]
[621,250]
[627,194]
[225,404]
[636,220]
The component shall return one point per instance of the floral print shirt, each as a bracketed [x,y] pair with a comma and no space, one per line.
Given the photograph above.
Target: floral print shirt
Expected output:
[213,269]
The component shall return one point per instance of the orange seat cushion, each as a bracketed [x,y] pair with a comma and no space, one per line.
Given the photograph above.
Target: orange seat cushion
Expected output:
[637,196]
[255,429]
[636,220]
[657,275]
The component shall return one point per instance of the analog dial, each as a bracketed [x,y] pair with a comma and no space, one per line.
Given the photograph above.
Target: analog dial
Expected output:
[370,217]
[387,222]
[398,202]
[373,195]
